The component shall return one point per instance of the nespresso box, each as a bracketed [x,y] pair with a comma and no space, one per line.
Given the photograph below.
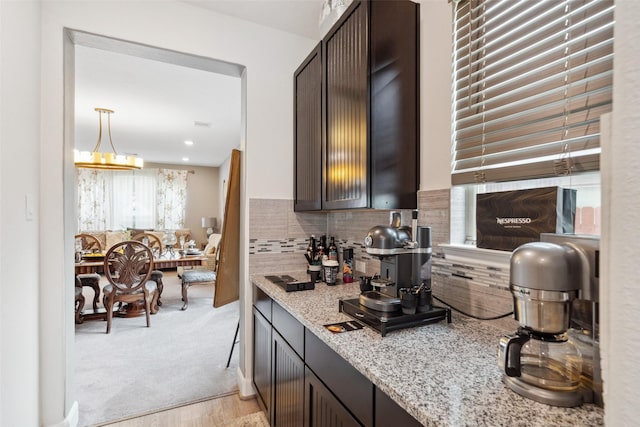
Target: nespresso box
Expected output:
[508,219]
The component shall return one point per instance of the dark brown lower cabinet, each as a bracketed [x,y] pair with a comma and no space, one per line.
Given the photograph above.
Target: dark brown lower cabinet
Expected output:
[349,386]
[288,385]
[322,408]
[389,413]
[301,381]
[262,360]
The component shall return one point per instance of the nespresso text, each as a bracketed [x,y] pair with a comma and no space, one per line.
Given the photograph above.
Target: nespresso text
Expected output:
[504,221]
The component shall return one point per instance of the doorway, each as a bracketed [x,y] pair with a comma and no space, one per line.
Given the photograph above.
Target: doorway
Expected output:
[189,61]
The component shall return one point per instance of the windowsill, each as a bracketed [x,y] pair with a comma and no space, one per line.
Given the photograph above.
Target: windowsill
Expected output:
[471,253]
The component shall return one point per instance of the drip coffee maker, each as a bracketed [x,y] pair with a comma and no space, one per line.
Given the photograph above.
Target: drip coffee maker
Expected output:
[553,357]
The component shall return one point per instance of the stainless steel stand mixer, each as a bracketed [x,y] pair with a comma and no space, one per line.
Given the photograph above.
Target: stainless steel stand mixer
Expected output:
[554,357]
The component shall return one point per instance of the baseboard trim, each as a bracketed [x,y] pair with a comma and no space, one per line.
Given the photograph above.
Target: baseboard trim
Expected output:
[245,388]
[71,420]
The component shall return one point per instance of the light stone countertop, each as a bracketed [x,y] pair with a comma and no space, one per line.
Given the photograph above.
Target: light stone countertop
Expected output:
[442,374]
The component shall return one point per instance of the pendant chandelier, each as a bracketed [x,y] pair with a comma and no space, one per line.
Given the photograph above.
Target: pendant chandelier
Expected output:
[112,160]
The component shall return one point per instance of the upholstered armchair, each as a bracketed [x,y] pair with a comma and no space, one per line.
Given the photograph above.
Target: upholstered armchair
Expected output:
[204,274]
[211,251]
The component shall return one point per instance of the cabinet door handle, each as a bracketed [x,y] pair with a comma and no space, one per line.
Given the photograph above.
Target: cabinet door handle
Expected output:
[360,315]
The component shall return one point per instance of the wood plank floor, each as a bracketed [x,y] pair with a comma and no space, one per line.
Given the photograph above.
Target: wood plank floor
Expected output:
[214,412]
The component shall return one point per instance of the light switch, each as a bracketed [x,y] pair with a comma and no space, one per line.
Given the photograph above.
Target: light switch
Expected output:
[29,209]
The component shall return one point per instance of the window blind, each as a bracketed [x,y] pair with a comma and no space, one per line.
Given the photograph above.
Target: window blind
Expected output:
[530,81]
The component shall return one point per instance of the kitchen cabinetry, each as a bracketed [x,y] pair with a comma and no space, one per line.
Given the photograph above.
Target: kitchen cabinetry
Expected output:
[288,369]
[262,338]
[262,360]
[345,382]
[323,408]
[300,380]
[307,84]
[370,110]
[278,366]
[389,413]
[288,384]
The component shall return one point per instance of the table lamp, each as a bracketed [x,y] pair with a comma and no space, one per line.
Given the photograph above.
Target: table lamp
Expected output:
[210,224]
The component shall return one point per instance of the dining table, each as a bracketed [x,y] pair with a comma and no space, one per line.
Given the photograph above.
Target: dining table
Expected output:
[93,263]
[160,263]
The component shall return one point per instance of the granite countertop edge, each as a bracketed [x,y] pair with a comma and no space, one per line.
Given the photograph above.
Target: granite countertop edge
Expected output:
[411,365]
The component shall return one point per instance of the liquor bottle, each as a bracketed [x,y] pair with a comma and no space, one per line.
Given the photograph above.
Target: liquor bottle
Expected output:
[312,250]
[333,250]
[322,246]
[347,265]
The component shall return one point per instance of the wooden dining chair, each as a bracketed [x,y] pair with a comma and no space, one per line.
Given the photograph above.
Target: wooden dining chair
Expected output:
[156,247]
[154,242]
[79,301]
[88,242]
[128,266]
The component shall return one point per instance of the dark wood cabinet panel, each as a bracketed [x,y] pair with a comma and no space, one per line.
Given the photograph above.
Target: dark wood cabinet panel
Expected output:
[308,132]
[262,360]
[323,409]
[288,385]
[262,302]
[395,100]
[389,413]
[289,328]
[346,79]
[353,389]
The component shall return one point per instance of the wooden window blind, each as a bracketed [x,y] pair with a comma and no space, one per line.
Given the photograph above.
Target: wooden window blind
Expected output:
[530,81]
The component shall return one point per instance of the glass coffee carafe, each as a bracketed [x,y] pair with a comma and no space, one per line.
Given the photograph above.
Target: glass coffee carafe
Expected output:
[551,362]
[543,367]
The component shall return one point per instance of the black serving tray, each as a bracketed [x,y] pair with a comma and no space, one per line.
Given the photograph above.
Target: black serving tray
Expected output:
[290,284]
[387,322]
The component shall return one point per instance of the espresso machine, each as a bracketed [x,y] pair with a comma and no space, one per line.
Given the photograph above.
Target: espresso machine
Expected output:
[405,262]
[404,252]
[554,357]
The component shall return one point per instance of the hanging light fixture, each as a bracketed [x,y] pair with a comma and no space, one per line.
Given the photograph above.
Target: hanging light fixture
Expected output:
[98,160]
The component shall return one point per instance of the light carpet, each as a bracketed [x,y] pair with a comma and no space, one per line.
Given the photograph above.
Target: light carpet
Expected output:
[136,370]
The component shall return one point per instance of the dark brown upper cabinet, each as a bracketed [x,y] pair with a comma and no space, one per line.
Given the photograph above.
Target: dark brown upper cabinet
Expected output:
[308,132]
[370,111]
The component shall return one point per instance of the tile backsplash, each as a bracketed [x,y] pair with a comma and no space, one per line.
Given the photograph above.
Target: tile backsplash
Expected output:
[278,239]
[278,236]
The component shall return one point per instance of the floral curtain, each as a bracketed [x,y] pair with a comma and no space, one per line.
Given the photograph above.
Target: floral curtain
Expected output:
[115,200]
[93,199]
[171,198]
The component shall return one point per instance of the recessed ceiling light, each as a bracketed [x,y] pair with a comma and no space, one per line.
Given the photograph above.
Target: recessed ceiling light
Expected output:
[185,159]
[188,142]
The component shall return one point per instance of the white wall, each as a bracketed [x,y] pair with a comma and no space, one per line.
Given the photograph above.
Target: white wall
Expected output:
[435,94]
[620,306]
[269,56]
[19,139]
